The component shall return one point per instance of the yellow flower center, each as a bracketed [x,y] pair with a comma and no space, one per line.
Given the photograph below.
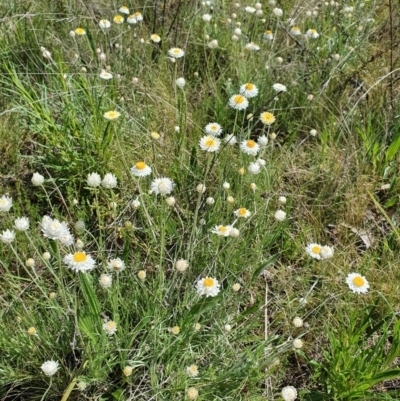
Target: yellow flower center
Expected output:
[250,144]
[138,13]
[222,229]
[316,249]
[268,32]
[210,142]
[208,282]
[79,257]
[214,128]
[3,201]
[118,18]
[239,99]
[242,211]
[79,31]
[111,325]
[140,165]
[176,51]
[249,87]
[358,281]
[193,369]
[312,31]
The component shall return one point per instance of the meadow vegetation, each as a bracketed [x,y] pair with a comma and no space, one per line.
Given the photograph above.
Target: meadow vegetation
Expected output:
[199,200]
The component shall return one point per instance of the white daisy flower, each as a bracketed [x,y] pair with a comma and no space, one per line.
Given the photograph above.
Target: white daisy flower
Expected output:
[118,19]
[66,239]
[21,224]
[262,141]
[106,75]
[326,252]
[79,262]
[104,24]
[192,371]
[250,147]
[5,203]
[314,250]
[208,286]
[357,283]
[53,229]
[252,46]
[181,265]
[250,10]
[7,237]
[279,87]
[37,179]
[278,12]
[162,186]
[110,327]
[138,16]
[111,115]
[180,82]
[141,169]
[289,393]
[116,265]
[254,168]
[295,31]
[222,231]
[267,118]
[238,102]
[109,181]
[312,33]
[49,368]
[242,212]
[93,180]
[268,35]
[105,280]
[280,215]
[131,19]
[230,139]
[155,38]
[249,90]
[209,143]
[176,52]
[124,10]
[213,129]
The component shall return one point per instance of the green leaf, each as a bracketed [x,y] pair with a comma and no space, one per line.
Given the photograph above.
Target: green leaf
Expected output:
[263,266]
[89,295]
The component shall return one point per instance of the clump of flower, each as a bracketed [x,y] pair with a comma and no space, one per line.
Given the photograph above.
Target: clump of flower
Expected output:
[80,262]
[37,179]
[21,224]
